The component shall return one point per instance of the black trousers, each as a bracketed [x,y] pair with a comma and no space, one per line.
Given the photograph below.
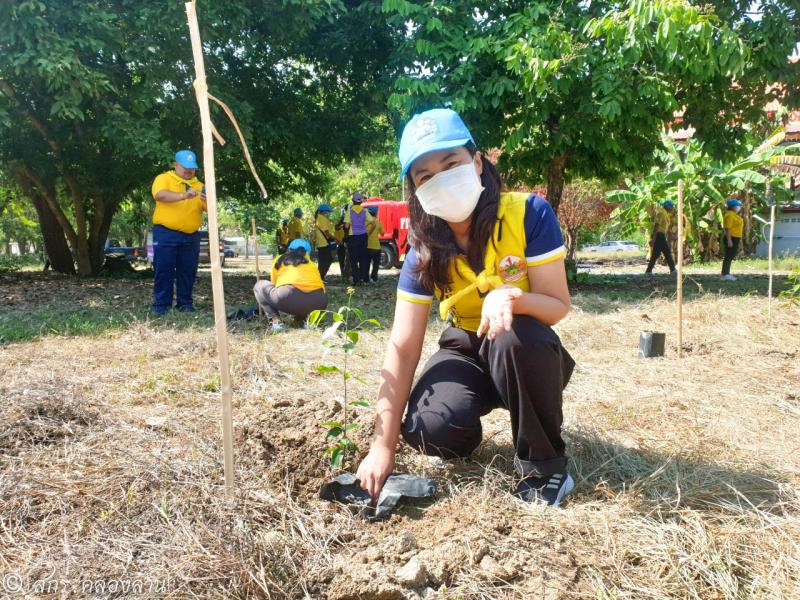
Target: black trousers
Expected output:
[523,371]
[375,260]
[324,259]
[730,254]
[341,255]
[359,257]
[660,246]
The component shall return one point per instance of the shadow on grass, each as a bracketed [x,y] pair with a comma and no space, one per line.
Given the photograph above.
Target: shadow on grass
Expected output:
[651,479]
[608,293]
[35,305]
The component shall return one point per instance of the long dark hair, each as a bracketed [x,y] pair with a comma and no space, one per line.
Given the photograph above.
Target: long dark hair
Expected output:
[433,240]
[292,258]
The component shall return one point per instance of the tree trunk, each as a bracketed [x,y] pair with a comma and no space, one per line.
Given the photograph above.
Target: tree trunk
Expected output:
[101,223]
[571,242]
[55,244]
[555,180]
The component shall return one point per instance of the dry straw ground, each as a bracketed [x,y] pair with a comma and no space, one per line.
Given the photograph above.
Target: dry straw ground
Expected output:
[688,478]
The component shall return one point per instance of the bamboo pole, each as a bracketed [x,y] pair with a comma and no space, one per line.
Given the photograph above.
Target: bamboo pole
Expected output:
[258,268]
[680,268]
[201,91]
[771,237]
[255,247]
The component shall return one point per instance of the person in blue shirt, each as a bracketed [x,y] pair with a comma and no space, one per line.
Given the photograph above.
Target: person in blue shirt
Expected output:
[495,262]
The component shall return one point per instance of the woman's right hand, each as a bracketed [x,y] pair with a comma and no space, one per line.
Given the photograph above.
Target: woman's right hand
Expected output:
[375,468]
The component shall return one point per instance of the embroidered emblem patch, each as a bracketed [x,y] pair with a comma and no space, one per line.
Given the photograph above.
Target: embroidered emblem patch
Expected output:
[423,128]
[511,268]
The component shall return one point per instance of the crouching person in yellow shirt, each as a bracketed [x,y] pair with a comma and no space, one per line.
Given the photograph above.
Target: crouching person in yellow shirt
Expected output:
[180,203]
[295,286]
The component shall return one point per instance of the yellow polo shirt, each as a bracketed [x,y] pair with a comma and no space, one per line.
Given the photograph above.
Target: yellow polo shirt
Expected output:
[295,228]
[734,222]
[304,277]
[323,226]
[185,216]
[662,220]
[374,231]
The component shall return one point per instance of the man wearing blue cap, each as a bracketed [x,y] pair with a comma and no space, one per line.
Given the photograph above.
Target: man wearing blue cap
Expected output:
[658,241]
[180,202]
[296,226]
[733,225]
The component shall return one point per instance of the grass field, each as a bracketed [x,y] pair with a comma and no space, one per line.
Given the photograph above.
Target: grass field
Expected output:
[687,470]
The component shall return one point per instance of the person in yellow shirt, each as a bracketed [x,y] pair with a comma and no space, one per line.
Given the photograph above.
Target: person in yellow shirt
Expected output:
[180,202]
[324,238]
[294,287]
[733,225]
[296,225]
[658,241]
[374,233]
[341,248]
[282,235]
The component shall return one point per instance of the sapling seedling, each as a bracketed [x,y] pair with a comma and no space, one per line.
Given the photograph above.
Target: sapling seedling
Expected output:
[343,334]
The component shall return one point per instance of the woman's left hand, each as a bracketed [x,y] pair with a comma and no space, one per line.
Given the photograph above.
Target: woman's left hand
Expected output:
[498,310]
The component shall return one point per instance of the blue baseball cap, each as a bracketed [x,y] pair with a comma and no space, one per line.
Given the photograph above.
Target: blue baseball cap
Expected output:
[668,204]
[432,130]
[300,243]
[733,202]
[358,197]
[187,159]
[373,210]
[325,208]
[298,212]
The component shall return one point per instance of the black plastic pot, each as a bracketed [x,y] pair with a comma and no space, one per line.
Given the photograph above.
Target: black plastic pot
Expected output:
[651,343]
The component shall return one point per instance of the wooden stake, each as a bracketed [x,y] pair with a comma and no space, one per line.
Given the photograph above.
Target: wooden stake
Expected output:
[771,237]
[680,268]
[258,269]
[255,246]
[220,321]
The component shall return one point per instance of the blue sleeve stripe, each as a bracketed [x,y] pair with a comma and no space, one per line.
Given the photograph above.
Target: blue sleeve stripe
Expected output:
[546,257]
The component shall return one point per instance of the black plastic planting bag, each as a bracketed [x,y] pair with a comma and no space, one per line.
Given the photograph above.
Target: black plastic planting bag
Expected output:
[345,488]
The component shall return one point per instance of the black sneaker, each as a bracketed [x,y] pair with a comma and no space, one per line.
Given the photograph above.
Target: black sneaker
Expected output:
[551,489]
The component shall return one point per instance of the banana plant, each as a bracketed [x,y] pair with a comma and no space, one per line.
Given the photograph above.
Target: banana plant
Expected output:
[707,183]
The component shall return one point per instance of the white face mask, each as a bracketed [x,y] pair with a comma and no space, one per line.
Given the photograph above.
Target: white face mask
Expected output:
[452,194]
[737,208]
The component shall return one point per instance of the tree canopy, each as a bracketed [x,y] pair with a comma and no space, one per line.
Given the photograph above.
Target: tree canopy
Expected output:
[571,89]
[95,96]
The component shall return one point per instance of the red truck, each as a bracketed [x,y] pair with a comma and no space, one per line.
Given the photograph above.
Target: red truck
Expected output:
[394,241]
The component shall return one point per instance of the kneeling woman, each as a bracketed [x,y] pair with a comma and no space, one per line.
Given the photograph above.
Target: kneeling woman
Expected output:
[295,285]
[495,260]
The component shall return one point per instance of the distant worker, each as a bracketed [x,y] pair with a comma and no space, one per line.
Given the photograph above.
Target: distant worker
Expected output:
[295,286]
[733,225]
[658,241]
[282,235]
[341,247]
[180,202]
[325,238]
[374,233]
[296,225]
[356,220]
